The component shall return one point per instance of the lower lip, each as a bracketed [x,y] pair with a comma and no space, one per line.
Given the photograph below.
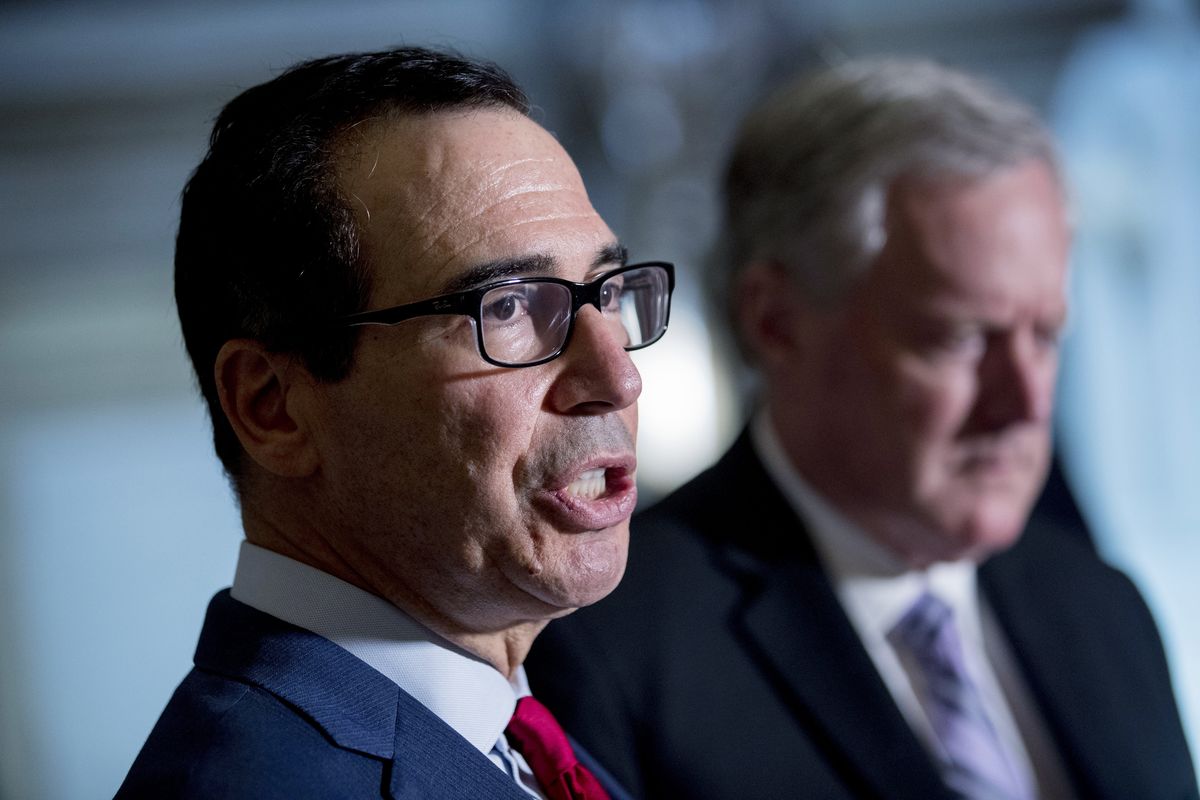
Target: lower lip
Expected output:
[577,515]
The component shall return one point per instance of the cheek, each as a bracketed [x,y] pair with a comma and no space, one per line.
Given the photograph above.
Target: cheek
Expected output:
[489,425]
[925,420]
[935,401]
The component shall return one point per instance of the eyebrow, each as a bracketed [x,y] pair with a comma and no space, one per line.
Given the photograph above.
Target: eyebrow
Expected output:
[615,253]
[500,269]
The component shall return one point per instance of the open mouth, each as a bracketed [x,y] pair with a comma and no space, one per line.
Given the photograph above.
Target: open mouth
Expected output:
[589,485]
[599,496]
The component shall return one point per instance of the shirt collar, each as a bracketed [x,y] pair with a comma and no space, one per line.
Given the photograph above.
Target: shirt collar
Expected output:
[468,694]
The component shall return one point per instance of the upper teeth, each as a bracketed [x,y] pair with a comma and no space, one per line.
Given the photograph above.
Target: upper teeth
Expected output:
[589,485]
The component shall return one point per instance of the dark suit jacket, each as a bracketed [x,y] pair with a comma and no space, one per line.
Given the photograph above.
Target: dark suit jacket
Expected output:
[723,666]
[275,711]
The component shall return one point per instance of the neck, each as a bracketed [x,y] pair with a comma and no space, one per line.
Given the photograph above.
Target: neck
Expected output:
[504,650]
[479,627]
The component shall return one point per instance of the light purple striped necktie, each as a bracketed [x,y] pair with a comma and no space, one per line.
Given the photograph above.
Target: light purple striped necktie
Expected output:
[974,763]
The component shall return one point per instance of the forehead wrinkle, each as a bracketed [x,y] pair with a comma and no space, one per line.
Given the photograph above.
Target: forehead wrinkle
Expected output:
[451,221]
[510,164]
[492,185]
[532,185]
[525,193]
[448,262]
[489,181]
[449,182]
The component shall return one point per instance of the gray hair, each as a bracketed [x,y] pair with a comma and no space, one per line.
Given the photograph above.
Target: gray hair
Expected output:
[807,183]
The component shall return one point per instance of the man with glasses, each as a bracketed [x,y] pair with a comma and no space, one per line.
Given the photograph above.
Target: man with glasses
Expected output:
[845,606]
[411,329]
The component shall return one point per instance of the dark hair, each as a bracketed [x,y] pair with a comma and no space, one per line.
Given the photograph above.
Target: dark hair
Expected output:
[267,247]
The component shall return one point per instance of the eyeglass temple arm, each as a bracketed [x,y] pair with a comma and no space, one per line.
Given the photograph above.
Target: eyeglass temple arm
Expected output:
[460,303]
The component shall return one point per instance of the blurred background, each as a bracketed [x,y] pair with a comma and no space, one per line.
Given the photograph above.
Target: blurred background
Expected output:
[116,525]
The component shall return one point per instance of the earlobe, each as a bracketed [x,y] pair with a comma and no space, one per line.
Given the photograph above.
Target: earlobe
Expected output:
[258,394]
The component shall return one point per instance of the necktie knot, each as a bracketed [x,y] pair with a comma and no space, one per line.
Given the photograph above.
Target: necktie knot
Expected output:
[535,732]
[927,632]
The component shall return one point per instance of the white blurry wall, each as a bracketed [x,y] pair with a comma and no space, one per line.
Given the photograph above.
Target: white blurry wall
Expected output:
[115,523]
[1127,111]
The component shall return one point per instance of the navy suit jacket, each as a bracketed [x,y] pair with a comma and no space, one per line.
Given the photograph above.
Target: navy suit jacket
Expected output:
[274,711]
[724,666]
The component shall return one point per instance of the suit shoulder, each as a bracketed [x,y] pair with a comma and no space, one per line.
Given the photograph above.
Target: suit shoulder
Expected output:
[1066,559]
[219,737]
[1056,576]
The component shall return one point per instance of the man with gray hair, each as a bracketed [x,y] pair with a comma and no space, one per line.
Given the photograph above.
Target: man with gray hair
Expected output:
[853,601]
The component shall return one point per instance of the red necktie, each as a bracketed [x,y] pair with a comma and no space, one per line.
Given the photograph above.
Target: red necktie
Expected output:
[537,735]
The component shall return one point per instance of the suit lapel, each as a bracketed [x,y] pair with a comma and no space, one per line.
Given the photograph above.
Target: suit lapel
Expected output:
[1059,667]
[793,623]
[352,703]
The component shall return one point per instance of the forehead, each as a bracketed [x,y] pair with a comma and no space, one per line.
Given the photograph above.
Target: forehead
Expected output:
[435,194]
[999,242]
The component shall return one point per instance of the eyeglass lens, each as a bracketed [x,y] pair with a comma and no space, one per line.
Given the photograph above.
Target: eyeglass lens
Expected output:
[529,321]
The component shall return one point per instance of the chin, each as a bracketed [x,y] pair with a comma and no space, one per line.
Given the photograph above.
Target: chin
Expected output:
[976,520]
[991,531]
[586,573]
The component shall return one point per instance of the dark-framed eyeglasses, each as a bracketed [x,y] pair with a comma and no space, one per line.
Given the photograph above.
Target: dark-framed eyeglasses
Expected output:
[523,322]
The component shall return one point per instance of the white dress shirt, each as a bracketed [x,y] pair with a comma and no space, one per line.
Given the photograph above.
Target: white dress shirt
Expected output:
[876,588]
[468,694]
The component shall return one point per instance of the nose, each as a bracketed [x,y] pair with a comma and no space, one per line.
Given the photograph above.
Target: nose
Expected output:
[1017,382]
[597,376]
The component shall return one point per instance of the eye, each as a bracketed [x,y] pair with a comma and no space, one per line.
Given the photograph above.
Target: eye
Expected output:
[967,342]
[963,344]
[1048,338]
[610,295]
[506,306]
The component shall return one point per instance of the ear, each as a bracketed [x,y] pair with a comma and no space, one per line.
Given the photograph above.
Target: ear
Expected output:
[771,314]
[261,394]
